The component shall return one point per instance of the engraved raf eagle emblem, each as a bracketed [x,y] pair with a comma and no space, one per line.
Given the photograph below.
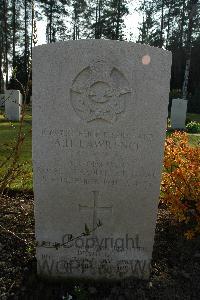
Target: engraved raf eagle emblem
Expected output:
[100,92]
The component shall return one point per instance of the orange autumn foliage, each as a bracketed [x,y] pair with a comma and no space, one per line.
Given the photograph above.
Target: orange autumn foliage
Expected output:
[181,182]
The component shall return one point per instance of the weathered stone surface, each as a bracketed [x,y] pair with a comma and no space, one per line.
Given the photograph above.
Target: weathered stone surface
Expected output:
[99,117]
[13,105]
[178,113]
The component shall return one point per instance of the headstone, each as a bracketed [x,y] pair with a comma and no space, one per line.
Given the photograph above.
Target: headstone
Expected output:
[97,153]
[13,105]
[178,113]
[2,100]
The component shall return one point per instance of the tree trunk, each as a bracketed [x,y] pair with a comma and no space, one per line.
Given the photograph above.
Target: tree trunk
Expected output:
[14,32]
[162,24]
[99,20]
[182,25]
[143,22]
[168,22]
[51,22]
[192,11]
[32,27]
[26,47]
[5,34]
[1,63]
[75,31]
[118,18]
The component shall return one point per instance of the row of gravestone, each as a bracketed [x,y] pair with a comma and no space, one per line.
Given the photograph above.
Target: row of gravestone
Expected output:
[178,113]
[12,100]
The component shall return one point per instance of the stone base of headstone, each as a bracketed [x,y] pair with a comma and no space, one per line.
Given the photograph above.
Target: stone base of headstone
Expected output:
[13,105]
[178,113]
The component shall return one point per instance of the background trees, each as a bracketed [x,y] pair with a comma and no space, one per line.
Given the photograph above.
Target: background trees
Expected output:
[170,24]
[175,26]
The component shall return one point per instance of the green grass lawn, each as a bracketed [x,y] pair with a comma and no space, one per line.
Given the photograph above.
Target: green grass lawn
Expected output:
[193,117]
[8,135]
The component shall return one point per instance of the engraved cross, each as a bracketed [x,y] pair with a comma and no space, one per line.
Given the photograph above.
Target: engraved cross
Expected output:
[95,208]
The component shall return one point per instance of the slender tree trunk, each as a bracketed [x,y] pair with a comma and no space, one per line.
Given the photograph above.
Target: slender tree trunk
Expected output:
[14,32]
[192,12]
[96,21]
[182,24]
[162,24]
[5,34]
[26,48]
[1,55]
[78,33]
[53,35]
[32,26]
[143,22]
[1,62]
[99,20]
[51,22]
[75,31]
[168,23]
[118,18]
[98,25]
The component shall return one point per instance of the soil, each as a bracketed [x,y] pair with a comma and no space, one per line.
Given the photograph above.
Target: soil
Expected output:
[175,265]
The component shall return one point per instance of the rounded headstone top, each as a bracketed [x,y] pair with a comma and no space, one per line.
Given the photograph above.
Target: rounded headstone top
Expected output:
[99,42]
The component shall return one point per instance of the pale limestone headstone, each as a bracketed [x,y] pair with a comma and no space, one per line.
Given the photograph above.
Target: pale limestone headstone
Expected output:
[13,105]
[97,154]
[178,113]
[2,100]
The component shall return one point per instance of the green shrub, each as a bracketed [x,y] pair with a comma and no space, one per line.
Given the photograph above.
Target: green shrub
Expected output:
[193,127]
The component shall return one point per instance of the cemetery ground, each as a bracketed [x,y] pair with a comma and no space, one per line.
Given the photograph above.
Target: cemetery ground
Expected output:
[176,261]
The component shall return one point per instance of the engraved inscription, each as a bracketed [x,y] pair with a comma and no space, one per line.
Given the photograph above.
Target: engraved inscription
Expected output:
[100,92]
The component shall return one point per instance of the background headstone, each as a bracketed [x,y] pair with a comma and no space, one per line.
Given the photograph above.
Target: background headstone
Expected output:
[178,113]
[2,100]
[13,105]
[97,154]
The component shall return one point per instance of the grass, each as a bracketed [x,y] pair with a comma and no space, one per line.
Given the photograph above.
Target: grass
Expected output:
[194,139]
[193,117]
[8,135]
